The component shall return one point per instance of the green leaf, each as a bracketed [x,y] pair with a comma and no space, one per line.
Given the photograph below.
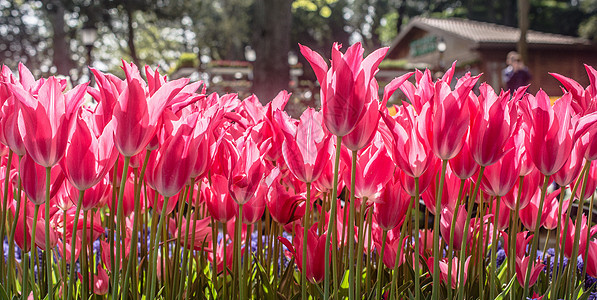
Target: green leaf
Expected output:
[287,279]
[265,282]
[296,296]
[404,287]
[586,294]
[318,289]
[502,295]
[3,295]
[344,283]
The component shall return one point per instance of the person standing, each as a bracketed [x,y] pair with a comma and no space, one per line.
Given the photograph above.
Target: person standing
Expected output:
[516,74]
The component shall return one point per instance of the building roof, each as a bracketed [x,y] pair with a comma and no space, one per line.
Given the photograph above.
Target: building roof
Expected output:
[487,33]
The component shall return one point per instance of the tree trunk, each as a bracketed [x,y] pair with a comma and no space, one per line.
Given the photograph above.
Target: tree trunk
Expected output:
[60,45]
[131,35]
[401,15]
[523,24]
[271,72]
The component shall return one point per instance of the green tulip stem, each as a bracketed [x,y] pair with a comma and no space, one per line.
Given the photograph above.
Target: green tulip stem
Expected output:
[417,242]
[304,295]
[332,223]
[494,243]
[380,264]
[360,245]
[436,248]
[47,233]
[119,217]
[535,245]
[3,213]
[575,251]
[467,223]
[11,238]
[154,257]
[73,243]
[451,241]
[351,215]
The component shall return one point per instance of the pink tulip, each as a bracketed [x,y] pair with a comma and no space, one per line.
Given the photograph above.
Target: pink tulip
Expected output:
[151,194]
[570,236]
[272,134]
[523,157]
[530,184]
[443,268]
[450,192]
[254,208]
[205,143]
[283,206]
[446,225]
[551,131]
[305,147]
[529,214]
[582,99]
[23,235]
[463,165]
[136,115]
[46,119]
[491,126]
[106,95]
[40,240]
[219,255]
[504,216]
[499,177]
[426,243]
[202,233]
[522,241]
[219,203]
[590,259]
[247,174]
[315,252]
[422,93]
[366,128]
[590,185]
[392,243]
[88,157]
[106,253]
[128,199]
[391,208]
[451,117]
[101,282]
[346,86]
[408,182]
[9,112]
[373,170]
[552,217]
[225,156]
[521,270]
[95,196]
[33,178]
[9,130]
[169,167]
[324,183]
[573,165]
[408,145]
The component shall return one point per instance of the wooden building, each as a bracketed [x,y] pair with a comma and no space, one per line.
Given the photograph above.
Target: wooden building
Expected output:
[482,48]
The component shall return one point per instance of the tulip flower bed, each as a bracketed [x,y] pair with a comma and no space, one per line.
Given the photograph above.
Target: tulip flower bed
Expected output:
[161,190]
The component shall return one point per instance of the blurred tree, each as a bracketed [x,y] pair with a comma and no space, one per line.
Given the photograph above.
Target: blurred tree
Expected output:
[271,33]
[543,13]
[22,34]
[318,24]
[588,27]
[61,52]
